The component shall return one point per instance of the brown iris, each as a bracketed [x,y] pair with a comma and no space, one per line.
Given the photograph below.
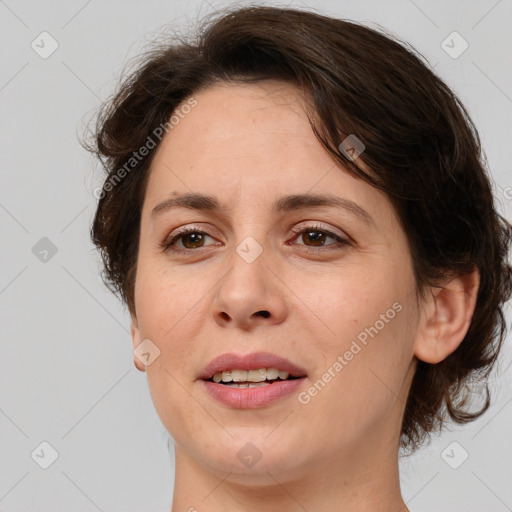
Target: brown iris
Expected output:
[197,238]
[318,237]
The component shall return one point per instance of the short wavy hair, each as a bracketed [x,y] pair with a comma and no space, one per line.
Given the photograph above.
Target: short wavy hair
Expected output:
[421,147]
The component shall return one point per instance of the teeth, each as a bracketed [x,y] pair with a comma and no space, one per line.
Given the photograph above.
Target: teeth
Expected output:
[272,373]
[254,376]
[239,375]
[257,375]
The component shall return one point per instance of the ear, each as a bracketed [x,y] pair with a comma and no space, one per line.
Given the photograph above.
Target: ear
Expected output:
[136,341]
[445,317]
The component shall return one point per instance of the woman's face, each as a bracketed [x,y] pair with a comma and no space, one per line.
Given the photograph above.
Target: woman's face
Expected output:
[329,288]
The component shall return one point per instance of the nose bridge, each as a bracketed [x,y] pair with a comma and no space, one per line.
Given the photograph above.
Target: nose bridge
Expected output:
[248,267]
[248,290]
[251,227]
[253,248]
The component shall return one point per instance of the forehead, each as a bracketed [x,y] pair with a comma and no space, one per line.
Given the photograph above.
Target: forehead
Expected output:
[231,116]
[243,130]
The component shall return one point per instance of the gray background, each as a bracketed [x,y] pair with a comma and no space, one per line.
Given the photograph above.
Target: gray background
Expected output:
[66,365]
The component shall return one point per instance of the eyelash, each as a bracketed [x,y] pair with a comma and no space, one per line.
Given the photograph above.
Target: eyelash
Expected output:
[166,245]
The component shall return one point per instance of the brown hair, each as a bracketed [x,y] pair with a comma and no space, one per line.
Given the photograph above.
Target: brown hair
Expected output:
[420,145]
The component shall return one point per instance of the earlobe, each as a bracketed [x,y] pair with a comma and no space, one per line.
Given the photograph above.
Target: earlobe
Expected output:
[136,340]
[446,317]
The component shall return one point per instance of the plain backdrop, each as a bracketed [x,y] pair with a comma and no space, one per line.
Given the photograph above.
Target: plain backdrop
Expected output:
[67,378]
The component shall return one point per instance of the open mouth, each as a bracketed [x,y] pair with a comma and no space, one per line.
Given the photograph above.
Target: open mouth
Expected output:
[251,378]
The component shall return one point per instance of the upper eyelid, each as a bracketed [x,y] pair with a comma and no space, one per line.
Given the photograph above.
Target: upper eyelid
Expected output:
[306,224]
[317,225]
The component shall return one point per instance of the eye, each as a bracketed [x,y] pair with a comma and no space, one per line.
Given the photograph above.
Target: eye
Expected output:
[317,235]
[191,238]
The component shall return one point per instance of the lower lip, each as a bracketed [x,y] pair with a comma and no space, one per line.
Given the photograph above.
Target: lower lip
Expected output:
[252,398]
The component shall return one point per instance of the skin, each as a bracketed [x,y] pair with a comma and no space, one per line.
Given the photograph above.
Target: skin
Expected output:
[249,145]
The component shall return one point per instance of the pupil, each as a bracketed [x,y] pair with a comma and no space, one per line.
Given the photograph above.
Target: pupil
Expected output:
[317,237]
[193,235]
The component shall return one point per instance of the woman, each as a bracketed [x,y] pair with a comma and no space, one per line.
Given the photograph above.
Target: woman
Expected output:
[297,216]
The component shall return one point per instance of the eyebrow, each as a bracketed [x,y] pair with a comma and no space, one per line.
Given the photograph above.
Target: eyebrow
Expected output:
[196,201]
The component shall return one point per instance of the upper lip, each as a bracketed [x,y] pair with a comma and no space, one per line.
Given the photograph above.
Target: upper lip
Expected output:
[252,361]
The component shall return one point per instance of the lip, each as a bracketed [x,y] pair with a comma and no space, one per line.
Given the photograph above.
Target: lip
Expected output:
[252,361]
[251,398]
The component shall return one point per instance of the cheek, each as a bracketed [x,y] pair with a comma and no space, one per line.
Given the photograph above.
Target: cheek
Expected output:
[347,301]
[165,310]
[165,301]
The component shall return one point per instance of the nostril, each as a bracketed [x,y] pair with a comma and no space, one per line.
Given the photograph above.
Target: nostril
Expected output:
[264,314]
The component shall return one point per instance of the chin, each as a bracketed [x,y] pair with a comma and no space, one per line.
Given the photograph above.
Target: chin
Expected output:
[250,455]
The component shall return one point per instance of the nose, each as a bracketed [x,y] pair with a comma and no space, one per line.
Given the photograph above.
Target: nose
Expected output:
[249,295]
